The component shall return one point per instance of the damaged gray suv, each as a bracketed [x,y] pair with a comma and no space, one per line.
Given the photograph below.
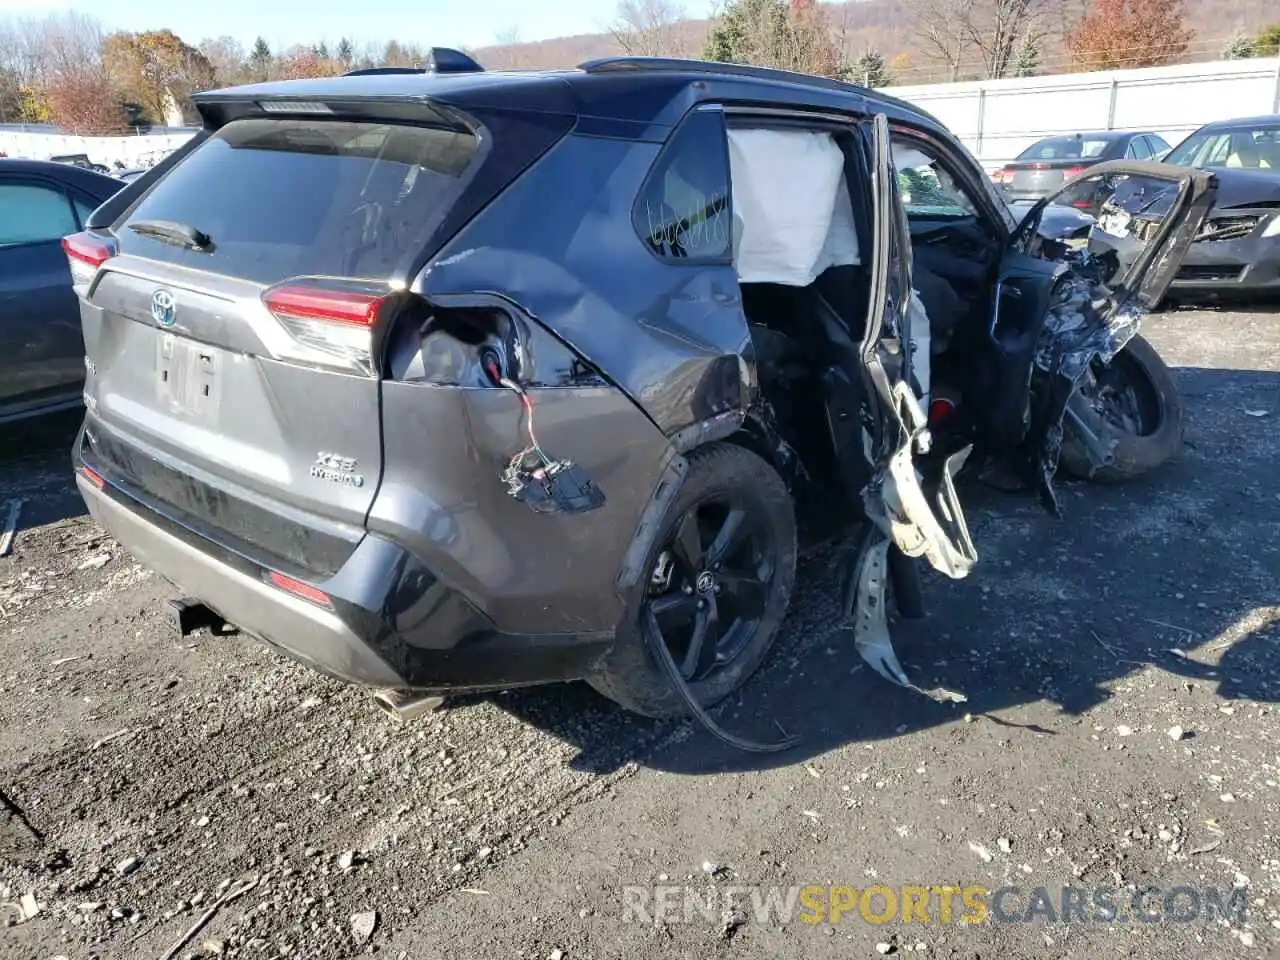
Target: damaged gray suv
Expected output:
[451,380]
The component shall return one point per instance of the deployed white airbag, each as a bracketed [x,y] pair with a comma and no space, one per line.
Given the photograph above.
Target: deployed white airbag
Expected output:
[792,216]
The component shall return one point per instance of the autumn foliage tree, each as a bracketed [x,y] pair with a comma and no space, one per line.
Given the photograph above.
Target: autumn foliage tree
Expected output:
[302,64]
[149,68]
[83,102]
[1115,34]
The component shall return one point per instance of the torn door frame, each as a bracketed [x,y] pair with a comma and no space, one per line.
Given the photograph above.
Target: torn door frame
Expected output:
[895,500]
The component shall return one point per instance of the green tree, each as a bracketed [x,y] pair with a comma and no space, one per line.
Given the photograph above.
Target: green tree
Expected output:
[345,53]
[322,50]
[785,35]
[1267,42]
[260,59]
[1027,60]
[749,31]
[10,97]
[1238,47]
[869,70]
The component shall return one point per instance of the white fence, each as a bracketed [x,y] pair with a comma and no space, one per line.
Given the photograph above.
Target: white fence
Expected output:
[139,151]
[997,119]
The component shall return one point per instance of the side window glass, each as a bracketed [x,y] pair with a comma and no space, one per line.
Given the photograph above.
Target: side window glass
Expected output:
[32,214]
[1138,149]
[928,190]
[683,211]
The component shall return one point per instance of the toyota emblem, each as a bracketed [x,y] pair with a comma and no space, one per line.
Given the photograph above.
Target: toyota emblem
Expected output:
[163,308]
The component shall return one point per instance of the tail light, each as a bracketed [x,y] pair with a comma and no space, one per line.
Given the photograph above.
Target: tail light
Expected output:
[1001,176]
[86,253]
[1070,172]
[332,321]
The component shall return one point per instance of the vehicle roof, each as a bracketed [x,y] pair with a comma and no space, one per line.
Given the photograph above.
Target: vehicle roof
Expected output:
[621,88]
[1272,120]
[87,180]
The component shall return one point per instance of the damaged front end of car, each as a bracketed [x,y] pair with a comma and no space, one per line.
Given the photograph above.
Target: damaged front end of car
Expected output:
[1150,215]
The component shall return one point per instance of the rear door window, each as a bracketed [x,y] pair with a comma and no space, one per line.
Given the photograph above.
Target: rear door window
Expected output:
[1138,149]
[683,210]
[31,213]
[280,198]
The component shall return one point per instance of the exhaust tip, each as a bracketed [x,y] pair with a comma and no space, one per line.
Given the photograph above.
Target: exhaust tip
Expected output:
[402,705]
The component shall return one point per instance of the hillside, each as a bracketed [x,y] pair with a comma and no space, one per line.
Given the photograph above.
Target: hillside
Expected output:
[885,25]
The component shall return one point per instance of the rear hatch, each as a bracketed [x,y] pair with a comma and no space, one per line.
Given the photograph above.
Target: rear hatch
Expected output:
[232,319]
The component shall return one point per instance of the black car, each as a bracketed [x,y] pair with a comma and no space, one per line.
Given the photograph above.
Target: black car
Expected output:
[41,352]
[1047,164]
[447,379]
[1238,251]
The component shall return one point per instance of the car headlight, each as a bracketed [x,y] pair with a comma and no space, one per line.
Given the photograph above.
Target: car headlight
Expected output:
[1272,229]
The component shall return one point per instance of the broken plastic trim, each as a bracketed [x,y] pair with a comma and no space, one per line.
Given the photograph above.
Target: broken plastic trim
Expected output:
[916,525]
[871,624]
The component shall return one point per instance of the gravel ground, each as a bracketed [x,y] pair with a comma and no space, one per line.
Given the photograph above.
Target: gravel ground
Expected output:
[143,778]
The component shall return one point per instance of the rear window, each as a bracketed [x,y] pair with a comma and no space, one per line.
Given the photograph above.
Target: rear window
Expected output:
[1067,148]
[280,198]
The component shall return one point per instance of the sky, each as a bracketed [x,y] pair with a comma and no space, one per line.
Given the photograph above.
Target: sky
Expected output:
[472,23]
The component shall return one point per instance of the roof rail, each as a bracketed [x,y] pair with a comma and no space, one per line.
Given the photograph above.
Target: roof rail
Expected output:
[439,60]
[677,65]
[381,71]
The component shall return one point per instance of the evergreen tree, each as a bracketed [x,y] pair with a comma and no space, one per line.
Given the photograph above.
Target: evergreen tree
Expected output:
[1027,60]
[869,70]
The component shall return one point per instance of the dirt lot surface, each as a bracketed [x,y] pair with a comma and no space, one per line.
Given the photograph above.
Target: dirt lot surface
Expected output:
[144,777]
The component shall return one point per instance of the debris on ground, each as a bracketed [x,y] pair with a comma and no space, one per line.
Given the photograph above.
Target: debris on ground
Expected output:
[983,853]
[10,527]
[1005,844]
[362,926]
[110,737]
[25,909]
[1176,733]
[96,562]
[127,866]
[232,892]
[732,921]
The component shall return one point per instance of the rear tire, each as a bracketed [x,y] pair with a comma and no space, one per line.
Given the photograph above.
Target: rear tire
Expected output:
[719,472]
[1161,412]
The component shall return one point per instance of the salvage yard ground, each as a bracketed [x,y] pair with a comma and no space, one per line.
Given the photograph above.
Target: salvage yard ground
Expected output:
[144,777]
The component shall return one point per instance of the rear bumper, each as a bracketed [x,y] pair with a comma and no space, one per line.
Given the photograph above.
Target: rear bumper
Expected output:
[389,621]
